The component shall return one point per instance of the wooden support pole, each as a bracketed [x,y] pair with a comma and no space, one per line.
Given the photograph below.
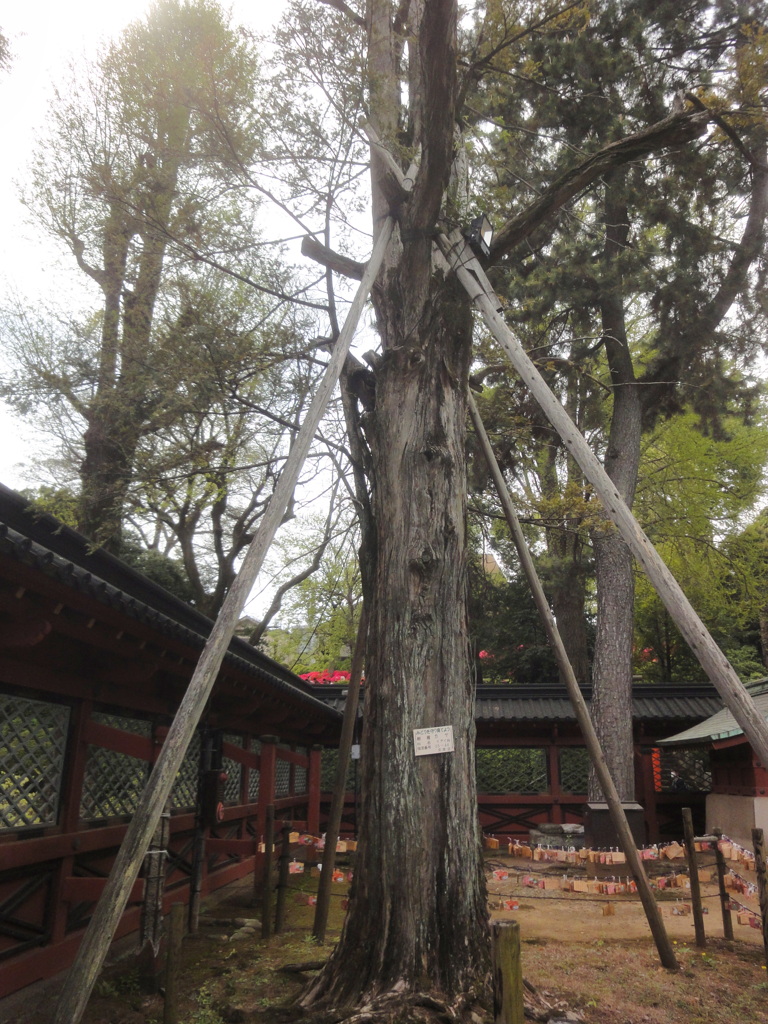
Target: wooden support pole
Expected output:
[693,871]
[266,893]
[103,924]
[151,929]
[282,877]
[508,1004]
[615,808]
[735,695]
[337,800]
[725,900]
[173,964]
[762,883]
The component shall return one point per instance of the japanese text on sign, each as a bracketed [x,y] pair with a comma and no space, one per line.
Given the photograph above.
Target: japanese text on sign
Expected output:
[438,740]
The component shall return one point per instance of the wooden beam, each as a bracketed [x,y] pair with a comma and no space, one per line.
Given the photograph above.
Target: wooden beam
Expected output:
[616,810]
[735,695]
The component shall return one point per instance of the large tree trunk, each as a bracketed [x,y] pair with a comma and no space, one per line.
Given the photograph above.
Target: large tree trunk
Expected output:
[612,665]
[418,919]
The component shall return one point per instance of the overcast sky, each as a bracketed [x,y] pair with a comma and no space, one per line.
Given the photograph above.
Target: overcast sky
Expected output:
[44,36]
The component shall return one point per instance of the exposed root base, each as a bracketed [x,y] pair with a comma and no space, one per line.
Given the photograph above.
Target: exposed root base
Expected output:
[422,1008]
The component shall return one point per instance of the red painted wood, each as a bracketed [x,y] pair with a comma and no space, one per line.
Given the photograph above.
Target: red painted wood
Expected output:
[313,794]
[141,747]
[86,890]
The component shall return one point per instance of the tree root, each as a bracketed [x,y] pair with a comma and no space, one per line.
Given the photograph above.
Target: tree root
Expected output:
[426,1008]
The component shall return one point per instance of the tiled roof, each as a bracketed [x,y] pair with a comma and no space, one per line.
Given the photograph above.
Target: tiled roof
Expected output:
[667,702]
[43,543]
[721,725]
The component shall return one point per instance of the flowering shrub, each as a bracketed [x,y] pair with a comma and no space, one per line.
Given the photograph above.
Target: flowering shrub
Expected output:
[325,677]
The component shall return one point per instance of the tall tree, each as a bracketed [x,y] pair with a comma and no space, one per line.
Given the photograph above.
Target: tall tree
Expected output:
[416,918]
[650,286]
[138,172]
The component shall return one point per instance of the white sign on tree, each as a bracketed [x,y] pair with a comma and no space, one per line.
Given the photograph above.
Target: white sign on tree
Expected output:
[437,740]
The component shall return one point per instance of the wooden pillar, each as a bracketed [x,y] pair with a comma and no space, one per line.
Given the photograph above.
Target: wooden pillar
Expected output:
[173,965]
[266,895]
[553,758]
[313,789]
[69,813]
[282,877]
[648,795]
[266,779]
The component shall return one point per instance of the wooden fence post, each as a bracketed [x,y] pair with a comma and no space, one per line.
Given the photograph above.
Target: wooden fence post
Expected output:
[693,871]
[762,883]
[508,1005]
[173,964]
[725,900]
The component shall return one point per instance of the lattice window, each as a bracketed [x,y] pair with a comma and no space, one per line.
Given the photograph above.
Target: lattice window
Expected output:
[282,773]
[33,741]
[234,770]
[511,770]
[329,761]
[300,774]
[253,775]
[113,782]
[184,793]
[682,771]
[574,769]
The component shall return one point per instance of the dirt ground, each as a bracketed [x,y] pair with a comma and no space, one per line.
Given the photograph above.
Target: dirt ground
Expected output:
[587,966]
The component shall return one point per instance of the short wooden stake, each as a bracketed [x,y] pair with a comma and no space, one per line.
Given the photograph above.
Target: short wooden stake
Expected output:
[725,900]
[173,964]
[508,1005]
[762,883]
[693,871]
[266,893]
[282,878]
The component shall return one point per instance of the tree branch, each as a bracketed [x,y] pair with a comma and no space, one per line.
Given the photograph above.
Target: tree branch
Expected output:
[333,260]
[675,130]
[339,5]
[258,631]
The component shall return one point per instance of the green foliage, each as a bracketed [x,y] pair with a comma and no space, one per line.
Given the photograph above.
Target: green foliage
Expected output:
[60,502]
[173,394]
[505,626]
[693,499]
[317,628]
[206,1012]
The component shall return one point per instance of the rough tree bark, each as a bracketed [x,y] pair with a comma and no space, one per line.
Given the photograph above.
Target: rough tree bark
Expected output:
[418,919]
[612,666]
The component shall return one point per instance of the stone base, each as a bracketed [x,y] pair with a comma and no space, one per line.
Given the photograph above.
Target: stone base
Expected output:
[562,836]
[599,832]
